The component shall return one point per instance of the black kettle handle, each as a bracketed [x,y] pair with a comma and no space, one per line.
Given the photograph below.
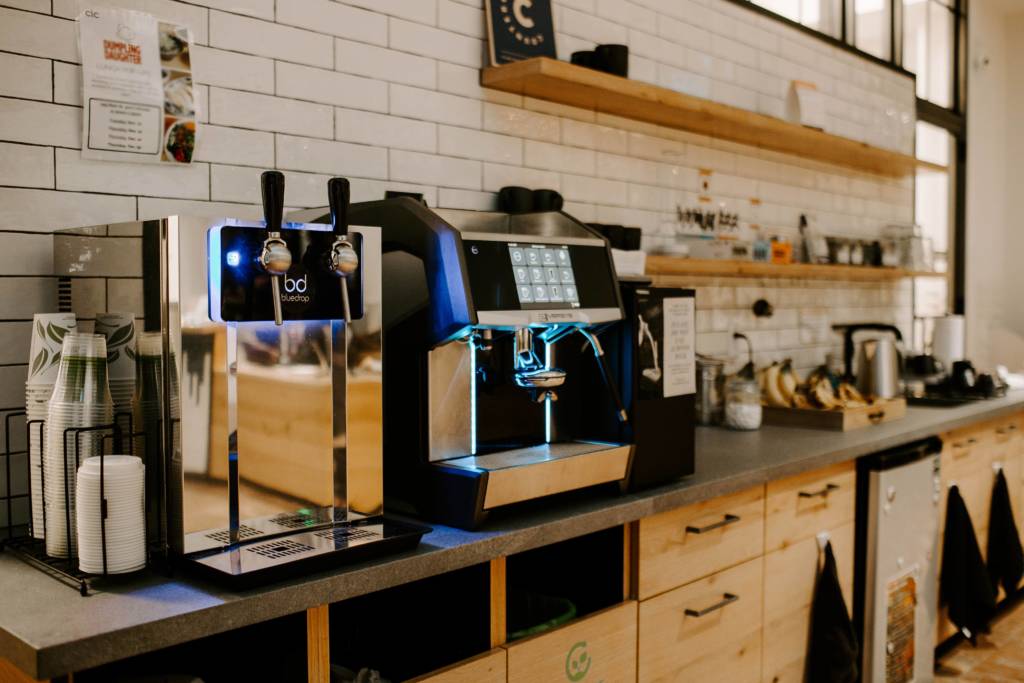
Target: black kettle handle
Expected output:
[851,329]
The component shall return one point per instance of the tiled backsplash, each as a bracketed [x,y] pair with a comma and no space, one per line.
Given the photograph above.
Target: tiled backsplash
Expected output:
[387,92]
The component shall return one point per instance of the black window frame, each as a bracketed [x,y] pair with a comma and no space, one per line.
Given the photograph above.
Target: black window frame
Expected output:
[953,119]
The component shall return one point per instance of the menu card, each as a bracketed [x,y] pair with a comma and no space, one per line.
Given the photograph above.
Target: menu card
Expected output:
[139,100]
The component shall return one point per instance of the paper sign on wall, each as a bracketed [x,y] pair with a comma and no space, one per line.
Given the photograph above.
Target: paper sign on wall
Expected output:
[139,102]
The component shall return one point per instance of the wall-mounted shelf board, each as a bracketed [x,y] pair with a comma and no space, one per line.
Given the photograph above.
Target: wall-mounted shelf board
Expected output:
[565,83]
[674,265]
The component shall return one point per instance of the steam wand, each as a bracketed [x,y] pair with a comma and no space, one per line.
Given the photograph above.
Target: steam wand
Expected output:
[276,257]
[343,260]
[606,374]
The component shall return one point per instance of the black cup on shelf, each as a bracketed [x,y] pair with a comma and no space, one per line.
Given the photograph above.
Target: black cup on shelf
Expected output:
[515,199]
[547,200]
[613,59]
[587,58]
[631,239]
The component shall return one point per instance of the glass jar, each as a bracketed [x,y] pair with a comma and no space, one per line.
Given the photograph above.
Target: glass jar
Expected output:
[742,403]
[710,400]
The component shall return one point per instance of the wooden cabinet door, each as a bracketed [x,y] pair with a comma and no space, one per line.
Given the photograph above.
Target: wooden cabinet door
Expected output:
[707,631]
[789,577]
[799,507]
[599,647]
[490,667]
[688,543]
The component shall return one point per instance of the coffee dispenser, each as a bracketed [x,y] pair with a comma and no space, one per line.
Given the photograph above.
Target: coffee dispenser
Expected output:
[492,334]
[267,440]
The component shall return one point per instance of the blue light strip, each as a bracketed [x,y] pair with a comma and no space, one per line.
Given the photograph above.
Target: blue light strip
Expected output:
[547,398]
[213,263]
[472,395]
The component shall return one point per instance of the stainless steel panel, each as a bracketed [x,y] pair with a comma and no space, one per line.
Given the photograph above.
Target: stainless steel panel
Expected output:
[450,396]
[265,429]
[902,533]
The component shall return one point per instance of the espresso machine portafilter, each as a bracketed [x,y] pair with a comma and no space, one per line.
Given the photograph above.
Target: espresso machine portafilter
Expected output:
[270,439]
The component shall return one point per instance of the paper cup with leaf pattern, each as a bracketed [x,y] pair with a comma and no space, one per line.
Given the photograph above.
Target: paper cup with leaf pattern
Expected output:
[119,331]
[48,330]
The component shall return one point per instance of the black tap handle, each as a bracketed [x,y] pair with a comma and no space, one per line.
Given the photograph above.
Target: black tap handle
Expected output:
[338,195]
[272,183]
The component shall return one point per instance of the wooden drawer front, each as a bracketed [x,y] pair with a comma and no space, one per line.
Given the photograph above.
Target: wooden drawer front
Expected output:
[489,667]
[678,643]
[801,506]
[680,546]
[964,448]
[789,577]
[600,647]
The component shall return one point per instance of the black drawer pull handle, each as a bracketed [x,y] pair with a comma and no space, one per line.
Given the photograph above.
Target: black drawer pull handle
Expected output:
[727,599]
[823,493]
[725,521]
[1002,431]
[964,444]
[876,417]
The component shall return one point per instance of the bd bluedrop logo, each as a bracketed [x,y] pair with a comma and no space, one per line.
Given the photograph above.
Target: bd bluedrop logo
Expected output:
[295,289]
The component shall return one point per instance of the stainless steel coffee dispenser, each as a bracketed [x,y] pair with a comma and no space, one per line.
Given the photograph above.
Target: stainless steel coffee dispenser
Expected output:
[268,441]
[493,357]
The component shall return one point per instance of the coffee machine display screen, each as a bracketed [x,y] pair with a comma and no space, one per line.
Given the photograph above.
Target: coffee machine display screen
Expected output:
[544,276]
[531,276]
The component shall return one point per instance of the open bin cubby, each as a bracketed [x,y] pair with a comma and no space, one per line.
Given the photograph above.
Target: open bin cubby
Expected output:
[273,650]
[415,628]
[586,571]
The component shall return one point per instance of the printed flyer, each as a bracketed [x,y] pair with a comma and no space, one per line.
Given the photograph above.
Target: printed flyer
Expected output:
[139,102]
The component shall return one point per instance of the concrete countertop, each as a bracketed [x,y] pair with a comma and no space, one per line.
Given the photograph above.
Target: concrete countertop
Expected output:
[47,629]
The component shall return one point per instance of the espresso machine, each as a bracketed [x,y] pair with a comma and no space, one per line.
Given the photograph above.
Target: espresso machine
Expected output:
[493,357]
[268,439]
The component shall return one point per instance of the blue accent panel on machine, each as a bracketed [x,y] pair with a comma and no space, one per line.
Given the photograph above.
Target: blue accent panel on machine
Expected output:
[240,290]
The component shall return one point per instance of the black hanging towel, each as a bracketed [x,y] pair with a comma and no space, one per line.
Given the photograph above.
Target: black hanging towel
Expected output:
[966,589]
[1005,555]
[833,652]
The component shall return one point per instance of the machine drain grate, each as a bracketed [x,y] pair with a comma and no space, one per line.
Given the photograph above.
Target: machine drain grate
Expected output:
[278,549]
[343,533]
[223,536]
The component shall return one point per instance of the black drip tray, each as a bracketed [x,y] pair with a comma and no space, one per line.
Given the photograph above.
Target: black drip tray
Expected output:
[304,552]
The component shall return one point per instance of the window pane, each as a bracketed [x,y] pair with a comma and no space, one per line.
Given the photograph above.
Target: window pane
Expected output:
[915,42]
[787,8]
[928,48]
[821,15]
[940,55]
[933,144]
[871,26]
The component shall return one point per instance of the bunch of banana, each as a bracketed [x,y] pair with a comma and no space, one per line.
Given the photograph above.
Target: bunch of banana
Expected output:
[781,388]
[779,384]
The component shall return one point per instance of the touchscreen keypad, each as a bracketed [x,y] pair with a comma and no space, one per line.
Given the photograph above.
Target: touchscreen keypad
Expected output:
[543,275]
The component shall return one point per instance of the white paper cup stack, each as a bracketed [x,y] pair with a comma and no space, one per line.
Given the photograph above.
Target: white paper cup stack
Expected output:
[123,532]
[48,330]
[119,331]
[81,398]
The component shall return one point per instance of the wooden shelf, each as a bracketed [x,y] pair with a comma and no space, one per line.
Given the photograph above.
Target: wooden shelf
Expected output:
[565,83]
[675,265]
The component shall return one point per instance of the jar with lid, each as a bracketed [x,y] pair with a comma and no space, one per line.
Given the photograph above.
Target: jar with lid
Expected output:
[743,395]
[742,403]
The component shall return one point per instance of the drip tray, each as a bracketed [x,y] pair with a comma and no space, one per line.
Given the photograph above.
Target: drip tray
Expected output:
[522,474]
[304,552]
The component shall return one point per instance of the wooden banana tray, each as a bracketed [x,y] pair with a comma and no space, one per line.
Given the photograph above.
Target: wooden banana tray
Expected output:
[837,420]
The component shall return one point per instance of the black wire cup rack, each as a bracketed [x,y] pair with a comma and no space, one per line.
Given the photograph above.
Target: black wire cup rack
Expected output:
[20,540]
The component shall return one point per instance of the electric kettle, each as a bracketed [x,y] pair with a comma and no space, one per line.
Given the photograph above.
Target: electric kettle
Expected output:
[878,359]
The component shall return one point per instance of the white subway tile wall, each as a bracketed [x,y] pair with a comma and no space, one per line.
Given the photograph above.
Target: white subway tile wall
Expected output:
[387,92]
